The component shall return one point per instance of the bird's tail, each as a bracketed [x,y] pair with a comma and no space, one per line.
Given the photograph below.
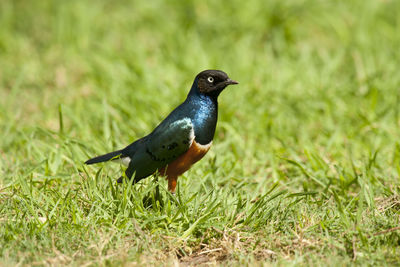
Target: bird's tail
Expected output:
[106,157]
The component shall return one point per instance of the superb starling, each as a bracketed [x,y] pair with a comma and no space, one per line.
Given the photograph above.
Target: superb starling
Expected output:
[181,139]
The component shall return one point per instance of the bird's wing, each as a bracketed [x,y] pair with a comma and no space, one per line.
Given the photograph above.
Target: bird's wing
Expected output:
[171,140]
[165,144]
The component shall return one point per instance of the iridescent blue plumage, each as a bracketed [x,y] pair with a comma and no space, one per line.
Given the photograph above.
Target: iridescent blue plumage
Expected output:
[202,110]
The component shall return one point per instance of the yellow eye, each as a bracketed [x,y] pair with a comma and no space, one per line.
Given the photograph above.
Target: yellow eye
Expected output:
[210,79]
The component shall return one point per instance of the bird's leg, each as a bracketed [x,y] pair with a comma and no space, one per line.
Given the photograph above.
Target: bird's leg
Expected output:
[172,180]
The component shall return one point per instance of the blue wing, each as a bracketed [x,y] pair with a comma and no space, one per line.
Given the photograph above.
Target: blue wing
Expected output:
[168,142]
[165,144]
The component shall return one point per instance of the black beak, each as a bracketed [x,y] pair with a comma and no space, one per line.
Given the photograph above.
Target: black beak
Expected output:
[229,81]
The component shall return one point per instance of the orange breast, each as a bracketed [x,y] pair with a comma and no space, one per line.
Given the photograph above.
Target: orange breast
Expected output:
[185,161]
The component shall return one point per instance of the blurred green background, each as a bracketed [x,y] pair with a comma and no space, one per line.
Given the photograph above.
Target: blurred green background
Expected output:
[317,110]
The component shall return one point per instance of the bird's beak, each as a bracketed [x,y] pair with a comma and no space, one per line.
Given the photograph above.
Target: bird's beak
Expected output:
[229,81]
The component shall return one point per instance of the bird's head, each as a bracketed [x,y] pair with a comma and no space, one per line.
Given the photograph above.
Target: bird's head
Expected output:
[212,82]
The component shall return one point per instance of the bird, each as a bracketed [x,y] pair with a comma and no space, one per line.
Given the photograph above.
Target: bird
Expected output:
[180,140]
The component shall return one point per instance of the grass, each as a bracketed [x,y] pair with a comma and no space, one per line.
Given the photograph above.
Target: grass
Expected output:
[305,164]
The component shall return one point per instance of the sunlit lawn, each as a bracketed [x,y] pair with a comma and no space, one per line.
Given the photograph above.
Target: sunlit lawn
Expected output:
[304,167]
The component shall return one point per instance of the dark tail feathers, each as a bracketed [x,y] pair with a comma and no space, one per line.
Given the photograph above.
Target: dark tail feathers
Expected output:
[105,157]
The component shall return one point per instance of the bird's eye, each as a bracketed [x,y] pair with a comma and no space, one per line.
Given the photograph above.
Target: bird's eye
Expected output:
[210,79]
